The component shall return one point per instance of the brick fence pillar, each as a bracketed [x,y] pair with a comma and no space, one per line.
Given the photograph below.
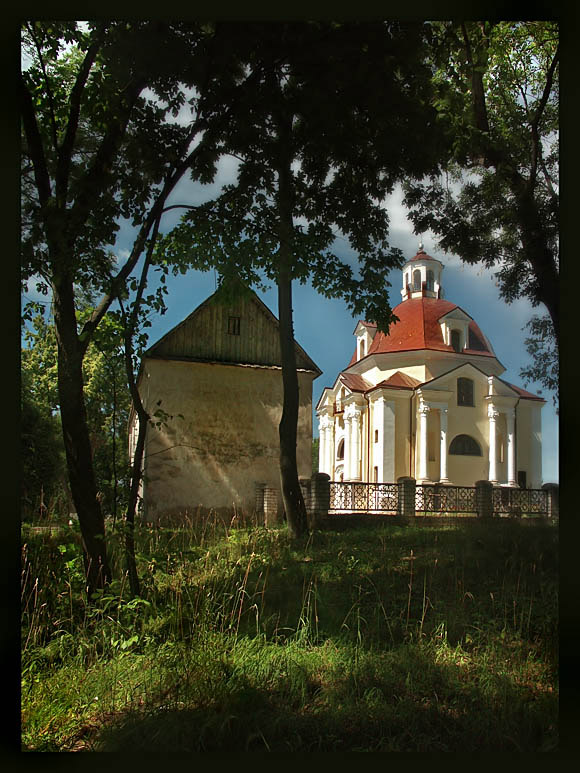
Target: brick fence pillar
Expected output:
[259,506]
[553,491]
[271,510]
[319,498]
[406,491]
[305,487]
[484,498]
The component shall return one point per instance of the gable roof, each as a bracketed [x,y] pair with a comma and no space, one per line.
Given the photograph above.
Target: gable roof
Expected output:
[203,336]
[399,380]
[523,393]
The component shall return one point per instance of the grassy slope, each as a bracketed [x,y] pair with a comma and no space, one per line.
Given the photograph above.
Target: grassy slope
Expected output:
[387,639]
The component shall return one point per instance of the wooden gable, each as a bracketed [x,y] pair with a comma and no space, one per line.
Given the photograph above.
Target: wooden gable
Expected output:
[239,329]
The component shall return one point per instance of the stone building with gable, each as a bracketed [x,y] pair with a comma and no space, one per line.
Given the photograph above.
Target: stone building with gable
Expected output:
[215,383]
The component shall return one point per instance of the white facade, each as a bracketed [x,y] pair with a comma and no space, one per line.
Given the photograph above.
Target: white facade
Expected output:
[428,401]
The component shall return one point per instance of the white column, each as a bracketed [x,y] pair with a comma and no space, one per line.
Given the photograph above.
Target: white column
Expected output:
[443,446]
[347,441]
[330,450]
[511,448]
[384,448]
[492,415]
[423,412]
[321,444]
[355,457]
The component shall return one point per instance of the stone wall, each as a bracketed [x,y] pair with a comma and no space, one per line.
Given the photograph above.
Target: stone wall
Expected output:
[218,435]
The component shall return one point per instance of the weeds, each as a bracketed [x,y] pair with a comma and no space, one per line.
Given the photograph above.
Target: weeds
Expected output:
[387,639]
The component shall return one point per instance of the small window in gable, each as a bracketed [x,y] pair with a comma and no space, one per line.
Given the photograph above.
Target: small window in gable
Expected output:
[234,326]
[464,445]
[465,392]
[361,349]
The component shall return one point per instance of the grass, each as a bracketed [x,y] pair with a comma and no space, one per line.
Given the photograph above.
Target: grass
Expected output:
[418,638]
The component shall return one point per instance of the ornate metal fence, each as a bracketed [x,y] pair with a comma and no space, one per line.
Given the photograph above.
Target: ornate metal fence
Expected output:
[436,499]
[363,497]
[440,500]
[520,501]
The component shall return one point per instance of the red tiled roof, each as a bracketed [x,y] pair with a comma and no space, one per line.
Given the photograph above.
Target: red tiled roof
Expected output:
[418,328]
[399,381]
[523,392]
[422,255]
[354,382]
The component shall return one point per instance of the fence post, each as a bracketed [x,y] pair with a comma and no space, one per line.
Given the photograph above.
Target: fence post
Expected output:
[553,492]
[305,487]
[484,498]
[319,498]
[271,512]
[259,506]
[406,492]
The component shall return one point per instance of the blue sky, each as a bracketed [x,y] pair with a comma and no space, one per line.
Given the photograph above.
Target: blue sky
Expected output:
[324,328]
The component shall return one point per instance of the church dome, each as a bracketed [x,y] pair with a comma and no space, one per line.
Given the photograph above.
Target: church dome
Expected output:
[429,323]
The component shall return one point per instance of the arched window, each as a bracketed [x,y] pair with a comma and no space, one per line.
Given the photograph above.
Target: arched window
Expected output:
[464,445]
[430,280]
[456,340]
[416,280]
[340,450]
[465,392]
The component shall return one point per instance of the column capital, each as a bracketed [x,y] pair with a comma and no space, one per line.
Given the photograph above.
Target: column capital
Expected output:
[492,412]
[353,411]
[424,408]
[325,421]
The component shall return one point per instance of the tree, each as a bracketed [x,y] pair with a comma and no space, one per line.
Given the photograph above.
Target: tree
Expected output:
[337,114]
[497,96]
[107,400]
[98,148]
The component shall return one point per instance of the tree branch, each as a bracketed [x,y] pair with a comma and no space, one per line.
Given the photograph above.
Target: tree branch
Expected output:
[536,150]
[65,151]
[35,146]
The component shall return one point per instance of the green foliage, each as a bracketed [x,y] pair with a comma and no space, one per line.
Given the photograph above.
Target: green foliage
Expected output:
[368,639]
[325,81]
[497,97]
[543,350]
[107,404]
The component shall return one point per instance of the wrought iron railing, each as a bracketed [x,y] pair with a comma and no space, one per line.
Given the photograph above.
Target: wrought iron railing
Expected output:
[362,497]
[440,499]
[520,501]
[435,499]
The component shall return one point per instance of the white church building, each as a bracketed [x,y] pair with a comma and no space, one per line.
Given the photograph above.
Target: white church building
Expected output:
[427,400]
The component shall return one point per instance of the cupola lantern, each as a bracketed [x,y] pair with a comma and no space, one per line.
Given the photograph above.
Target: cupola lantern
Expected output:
[422,276]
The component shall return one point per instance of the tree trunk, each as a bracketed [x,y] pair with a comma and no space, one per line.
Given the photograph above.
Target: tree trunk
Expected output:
[136,464]
[540,257]
[76,438]
[291,493]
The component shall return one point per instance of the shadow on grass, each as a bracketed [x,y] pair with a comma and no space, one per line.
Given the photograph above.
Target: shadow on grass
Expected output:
[400,701]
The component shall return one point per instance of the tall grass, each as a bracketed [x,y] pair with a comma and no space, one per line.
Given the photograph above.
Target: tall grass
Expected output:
[371,639]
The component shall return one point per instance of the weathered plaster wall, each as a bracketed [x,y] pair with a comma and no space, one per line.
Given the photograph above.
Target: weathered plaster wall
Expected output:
[222,438]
